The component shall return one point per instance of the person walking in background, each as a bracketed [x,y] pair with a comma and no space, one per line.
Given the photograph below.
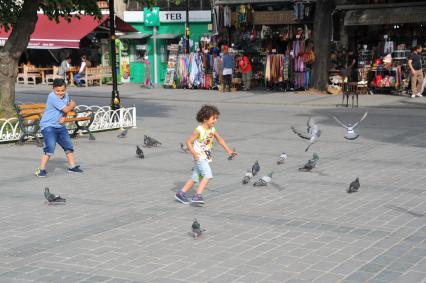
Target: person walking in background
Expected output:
[64,68]
[415,64]
[246,68]
[147,82]
[227,66]
[81,73]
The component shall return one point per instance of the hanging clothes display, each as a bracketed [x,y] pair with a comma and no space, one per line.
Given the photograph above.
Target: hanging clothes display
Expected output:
[196,75]
[227,16]
[301,76]
[277,69]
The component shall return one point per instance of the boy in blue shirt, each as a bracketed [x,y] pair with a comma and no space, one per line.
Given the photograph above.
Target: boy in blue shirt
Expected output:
[53,129]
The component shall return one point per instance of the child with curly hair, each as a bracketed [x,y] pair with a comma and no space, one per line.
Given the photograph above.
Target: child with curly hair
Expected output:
[200,145]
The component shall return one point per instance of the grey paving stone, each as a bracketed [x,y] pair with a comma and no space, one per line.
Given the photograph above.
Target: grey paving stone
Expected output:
[411,276]
[329,278]
[388,275]
[359,276]
[324,266]
[347,267]
[224,278]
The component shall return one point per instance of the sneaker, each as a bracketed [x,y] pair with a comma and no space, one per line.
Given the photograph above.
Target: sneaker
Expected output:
[181,197]
[41,173]
[197,198]
[75,169]
[419,95]
[413,95]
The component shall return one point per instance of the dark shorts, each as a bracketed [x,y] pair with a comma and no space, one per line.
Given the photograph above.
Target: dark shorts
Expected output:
[56,135]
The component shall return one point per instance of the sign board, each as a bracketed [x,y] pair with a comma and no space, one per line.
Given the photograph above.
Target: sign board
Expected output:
[170,16]
[141,47]
[151,17]
[274,18]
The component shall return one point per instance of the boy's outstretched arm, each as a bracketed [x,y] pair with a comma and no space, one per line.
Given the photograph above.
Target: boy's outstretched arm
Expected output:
[190,142]
[222,142]
[70,106]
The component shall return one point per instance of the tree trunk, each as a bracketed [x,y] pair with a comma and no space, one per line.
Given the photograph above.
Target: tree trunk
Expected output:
[322,43]
[12,50]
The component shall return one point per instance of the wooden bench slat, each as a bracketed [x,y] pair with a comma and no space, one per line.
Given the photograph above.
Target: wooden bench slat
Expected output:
[33,117]
[32,111]
[31,106]
[77,119]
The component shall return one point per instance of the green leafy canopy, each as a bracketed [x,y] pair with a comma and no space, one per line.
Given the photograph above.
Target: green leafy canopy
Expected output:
[54,9]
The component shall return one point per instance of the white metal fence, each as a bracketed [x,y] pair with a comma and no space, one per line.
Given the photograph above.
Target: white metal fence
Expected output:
[105,119]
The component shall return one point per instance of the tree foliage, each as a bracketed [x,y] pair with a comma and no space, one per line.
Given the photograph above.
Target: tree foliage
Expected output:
[11,10]
[21,17]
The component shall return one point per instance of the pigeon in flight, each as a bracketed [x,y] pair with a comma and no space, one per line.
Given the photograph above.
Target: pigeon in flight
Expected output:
[184,148]
[311,164]
[282,159]
[139,152]
[51,198]
[247,176]
[312,133]
[263,181]
[255,168]
[150,142]
[123,134]
[196,229]
[354,186]
[351,134]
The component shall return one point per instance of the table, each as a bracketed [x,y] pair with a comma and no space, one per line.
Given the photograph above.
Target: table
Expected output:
[42,71]
[71,72]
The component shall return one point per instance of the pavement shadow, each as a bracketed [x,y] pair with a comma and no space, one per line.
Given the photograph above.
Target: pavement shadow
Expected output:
[146,108]
[404,210]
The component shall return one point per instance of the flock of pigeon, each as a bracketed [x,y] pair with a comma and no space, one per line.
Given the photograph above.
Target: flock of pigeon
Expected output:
[312,133]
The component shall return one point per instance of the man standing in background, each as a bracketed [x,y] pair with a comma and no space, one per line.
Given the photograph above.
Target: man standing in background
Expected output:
[246,68]
[415,64]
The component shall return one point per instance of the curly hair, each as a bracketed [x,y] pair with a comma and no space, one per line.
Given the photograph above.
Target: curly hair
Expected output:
[206,112]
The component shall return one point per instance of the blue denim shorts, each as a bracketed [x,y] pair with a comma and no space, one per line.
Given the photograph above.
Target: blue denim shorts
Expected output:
[52,136]
[201,170]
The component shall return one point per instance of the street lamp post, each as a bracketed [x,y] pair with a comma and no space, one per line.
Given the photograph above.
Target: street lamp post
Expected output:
[187,27]
[115,97]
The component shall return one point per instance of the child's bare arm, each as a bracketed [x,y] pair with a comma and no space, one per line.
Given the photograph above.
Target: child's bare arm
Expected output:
[222,142]
[190,142]
[70,106]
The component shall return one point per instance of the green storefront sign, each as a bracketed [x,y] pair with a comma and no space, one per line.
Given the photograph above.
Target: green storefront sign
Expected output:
[151,17]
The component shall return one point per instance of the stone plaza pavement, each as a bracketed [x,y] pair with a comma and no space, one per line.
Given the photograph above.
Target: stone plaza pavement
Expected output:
[121,223]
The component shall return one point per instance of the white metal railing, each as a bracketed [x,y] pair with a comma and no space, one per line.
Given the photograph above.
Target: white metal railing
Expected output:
[104,119]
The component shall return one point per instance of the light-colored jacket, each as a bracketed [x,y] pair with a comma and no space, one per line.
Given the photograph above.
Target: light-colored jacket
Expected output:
[65,66]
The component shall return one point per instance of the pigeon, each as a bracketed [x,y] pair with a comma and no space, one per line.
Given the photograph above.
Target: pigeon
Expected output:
[282,159]
[184,148]
[311,164]
[351,134]
[247,176]
[312,133]
[139,152]
[255,168]
[263,181]
[196,229]
[354,186]
[150,142]
[123,134]
[51,198]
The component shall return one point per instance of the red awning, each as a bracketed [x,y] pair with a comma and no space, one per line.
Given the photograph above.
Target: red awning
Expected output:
[51,35]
